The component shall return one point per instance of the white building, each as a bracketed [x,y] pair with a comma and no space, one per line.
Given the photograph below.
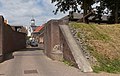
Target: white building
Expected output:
[32,27]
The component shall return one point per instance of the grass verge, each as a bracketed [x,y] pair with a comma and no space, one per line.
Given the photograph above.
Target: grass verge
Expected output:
[103,43]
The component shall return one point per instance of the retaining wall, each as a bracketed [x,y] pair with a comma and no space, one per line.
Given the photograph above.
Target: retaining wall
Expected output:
[52,40]
[60,45]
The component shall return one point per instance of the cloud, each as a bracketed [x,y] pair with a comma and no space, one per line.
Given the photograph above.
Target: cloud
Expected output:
[21,11]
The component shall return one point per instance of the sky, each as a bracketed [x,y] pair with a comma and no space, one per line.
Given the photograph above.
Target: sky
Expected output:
[20,12]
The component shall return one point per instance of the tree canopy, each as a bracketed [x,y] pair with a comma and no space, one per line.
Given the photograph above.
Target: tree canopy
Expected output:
[76,6]
[114,7]
[73,5]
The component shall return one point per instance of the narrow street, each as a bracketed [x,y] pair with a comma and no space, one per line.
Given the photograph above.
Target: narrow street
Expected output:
[32,62]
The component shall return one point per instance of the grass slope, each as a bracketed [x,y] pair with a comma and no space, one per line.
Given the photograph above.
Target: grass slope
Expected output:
[103,43]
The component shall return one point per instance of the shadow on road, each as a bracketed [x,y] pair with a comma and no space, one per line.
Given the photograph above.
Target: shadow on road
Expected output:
[7,56]
[11,55]
[31,49]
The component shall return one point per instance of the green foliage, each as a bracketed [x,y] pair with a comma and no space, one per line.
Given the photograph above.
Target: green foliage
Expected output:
[113,8]
[94,32]
[110,66]
[78,34]
[96,35]
[68,63]
[74,5]
[65,5]
[106,65]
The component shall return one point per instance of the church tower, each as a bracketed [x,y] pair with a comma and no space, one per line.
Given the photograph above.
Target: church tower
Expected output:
[32,22]
[33,26]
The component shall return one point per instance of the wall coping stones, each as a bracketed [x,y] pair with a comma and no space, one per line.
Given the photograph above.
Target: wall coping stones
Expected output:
[81,61]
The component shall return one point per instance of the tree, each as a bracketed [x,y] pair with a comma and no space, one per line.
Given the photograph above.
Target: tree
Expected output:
[74,5]
[66,5]
[114,7]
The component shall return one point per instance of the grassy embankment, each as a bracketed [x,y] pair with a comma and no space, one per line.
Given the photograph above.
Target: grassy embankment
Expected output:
[103,43]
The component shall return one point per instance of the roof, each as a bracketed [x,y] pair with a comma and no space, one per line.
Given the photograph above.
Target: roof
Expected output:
[75,16]
[78,16]
[65,17]
[38,28]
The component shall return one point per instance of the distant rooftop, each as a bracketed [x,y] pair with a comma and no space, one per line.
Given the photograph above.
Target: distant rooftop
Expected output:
[38,28]
[78,16]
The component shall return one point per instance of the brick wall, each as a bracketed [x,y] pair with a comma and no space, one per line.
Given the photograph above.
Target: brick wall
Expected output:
[55,44]
[60,44]
[52,39]
[10,40]
[1,38]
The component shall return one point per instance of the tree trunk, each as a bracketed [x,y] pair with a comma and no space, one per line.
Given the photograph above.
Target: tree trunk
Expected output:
[116,12]
[85,8]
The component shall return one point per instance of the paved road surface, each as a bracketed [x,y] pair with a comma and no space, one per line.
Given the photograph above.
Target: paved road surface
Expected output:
[32,62]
